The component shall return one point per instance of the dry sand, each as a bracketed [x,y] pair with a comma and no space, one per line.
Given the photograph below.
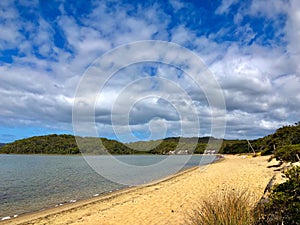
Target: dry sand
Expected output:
[165,202]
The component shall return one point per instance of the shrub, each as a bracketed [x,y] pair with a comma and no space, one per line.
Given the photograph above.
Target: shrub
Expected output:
[283,205]
[232,208]
[288,153]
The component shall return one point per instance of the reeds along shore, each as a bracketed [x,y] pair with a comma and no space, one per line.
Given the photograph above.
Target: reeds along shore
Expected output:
[168,202]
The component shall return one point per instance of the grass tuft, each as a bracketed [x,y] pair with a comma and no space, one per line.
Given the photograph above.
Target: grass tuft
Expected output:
[233,207]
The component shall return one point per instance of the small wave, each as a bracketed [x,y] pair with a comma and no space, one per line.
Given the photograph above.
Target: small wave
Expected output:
[95,195]
[73,200]
[6,218]
[60,204]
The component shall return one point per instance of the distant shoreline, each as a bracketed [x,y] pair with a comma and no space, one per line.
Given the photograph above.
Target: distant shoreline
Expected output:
[80,154]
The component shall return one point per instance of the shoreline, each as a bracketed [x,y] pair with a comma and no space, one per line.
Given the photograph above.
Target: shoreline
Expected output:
[65,206]
[128,196]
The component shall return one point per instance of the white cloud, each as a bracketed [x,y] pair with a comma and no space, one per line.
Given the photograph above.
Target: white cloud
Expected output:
[225,6]
[260,82]
[270,125]
[10,26]
[182,35]
[177,5]
[43,39]
[265,8]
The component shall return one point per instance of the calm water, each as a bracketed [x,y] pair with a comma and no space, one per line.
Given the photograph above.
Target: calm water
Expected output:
[34,182]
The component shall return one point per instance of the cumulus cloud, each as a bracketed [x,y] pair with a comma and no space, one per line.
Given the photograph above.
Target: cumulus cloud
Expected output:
[255,77]
[252,51]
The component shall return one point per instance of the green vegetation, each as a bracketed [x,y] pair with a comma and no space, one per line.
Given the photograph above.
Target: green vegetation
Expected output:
[287,135]
[231,208]
[288,153]
[64,144]
[284,144]
[192,145]
[235,147]
[50,144]
[283,205]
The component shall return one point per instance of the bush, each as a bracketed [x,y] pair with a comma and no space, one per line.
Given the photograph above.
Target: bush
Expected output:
[283,206]
[288,153]
[232,208]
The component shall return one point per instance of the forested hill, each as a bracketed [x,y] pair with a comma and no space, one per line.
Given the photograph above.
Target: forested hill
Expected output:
[66,144]
[2,144]
[63,144]
[284,144]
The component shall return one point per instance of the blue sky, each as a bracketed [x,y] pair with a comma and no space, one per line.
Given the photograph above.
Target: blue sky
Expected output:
[251,47]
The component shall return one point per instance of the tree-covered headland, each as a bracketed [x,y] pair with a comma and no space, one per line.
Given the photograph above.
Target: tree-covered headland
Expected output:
[284,144]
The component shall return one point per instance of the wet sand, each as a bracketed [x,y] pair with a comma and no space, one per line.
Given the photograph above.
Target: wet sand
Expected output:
[163,202]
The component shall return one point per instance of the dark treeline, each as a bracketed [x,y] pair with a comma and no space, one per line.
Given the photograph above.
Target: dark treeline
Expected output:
[284,144]
[191,145]
[64,144]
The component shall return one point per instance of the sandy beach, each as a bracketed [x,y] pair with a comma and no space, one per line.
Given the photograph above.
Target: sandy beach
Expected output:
[164,202]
